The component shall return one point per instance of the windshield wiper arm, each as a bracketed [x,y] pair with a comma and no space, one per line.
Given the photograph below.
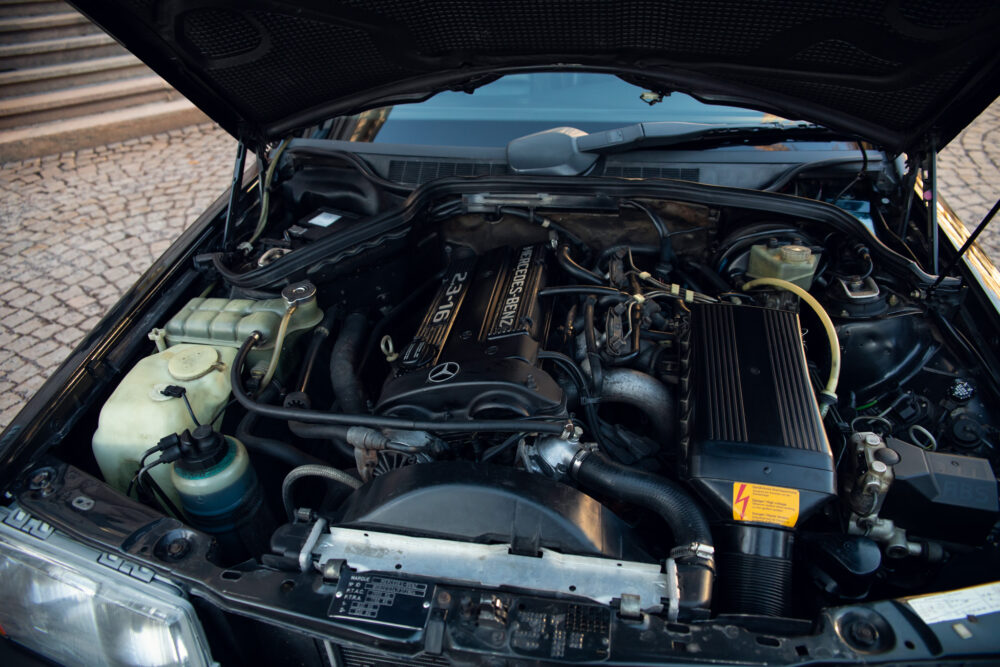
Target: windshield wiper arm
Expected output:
[567,151]
[662,134]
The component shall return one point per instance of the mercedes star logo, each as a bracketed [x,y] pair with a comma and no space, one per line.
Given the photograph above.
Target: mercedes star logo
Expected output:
[443,372]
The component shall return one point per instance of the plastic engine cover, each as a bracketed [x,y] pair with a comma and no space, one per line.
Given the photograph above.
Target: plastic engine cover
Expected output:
[755,445]
[475,355]
[488,504]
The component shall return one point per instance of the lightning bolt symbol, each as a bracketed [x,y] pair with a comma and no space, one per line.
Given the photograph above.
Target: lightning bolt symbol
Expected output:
[741,500]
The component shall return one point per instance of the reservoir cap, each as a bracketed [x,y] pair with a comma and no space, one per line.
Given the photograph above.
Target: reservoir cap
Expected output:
[193,362]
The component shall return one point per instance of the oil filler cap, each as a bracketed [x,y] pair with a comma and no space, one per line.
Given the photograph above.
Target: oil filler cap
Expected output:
[193,362]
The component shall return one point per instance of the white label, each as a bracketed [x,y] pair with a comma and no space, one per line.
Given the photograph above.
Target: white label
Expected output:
[975,601]
[324,219]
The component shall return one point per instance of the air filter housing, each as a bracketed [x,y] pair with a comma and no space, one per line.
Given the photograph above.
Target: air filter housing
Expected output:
[754,446]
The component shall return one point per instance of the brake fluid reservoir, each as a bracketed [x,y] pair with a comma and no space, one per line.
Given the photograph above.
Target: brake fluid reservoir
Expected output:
[794,263]
[137,414]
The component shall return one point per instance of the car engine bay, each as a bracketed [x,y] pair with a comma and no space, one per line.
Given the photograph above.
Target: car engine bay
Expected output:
[706,412]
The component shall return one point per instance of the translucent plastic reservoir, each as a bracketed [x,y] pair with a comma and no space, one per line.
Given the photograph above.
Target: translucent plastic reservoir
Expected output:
[137,415]
[794,263]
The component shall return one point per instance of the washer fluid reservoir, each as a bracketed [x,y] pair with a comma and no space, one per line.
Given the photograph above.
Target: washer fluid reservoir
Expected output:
[138,414]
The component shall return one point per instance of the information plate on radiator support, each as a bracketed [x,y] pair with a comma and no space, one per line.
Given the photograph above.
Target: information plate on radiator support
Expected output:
[381,599]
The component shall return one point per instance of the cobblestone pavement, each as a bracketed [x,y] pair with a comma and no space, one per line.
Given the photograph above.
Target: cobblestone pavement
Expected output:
[969,173]
[78,229]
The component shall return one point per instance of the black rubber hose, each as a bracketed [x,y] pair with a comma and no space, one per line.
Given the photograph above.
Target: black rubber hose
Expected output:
[596,290]
[634,249]
[659,494]
[693,555]
[320,333]
[544,222]
[586,397]
[400,308]
[574,269]
[343,364]
[667,254]
[593,353]
[328,432]
[316,417]
[269,447]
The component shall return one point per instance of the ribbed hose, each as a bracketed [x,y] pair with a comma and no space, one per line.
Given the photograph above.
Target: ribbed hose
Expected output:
[313,471]
[755,574]
[756,584]
[344,361]
[659,494]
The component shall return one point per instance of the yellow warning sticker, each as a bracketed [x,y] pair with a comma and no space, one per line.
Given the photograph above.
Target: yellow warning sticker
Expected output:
[765,504]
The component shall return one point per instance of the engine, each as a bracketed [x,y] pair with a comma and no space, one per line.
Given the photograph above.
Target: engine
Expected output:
[475,354]
[641,386]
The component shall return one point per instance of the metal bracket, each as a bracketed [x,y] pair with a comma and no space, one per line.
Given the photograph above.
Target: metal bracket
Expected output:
[493,565]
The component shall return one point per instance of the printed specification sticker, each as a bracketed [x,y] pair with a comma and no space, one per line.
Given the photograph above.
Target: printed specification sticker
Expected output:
[953,605]
[765,504]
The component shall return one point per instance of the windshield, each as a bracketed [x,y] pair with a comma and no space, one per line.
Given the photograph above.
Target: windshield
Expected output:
[519,104]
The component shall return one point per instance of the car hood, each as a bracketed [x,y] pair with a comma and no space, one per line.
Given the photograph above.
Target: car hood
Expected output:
[898,73]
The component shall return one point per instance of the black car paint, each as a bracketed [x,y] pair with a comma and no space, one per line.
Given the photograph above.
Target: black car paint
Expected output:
[941,69]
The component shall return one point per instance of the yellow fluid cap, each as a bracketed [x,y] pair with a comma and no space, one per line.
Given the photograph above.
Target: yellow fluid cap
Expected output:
[193,362]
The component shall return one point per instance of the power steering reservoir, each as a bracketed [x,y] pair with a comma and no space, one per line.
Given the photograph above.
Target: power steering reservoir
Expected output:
[219,491]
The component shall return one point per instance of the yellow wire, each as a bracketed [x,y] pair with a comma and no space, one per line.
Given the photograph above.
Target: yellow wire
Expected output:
[278,342]
[265,193]
[831,332]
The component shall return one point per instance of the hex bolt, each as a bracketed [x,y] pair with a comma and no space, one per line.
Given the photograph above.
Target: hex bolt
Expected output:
[177,548]
[41,478]
[863,633]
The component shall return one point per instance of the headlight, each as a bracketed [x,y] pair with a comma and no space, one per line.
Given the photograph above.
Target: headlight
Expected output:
[66,601]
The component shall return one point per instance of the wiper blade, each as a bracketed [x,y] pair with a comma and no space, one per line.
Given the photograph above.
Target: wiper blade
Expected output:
[666,133]
[567,151]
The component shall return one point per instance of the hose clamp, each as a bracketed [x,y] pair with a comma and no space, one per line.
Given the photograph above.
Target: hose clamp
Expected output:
[577,461]
[697,550]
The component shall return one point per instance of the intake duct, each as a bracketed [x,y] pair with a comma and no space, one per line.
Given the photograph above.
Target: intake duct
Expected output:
[753,446]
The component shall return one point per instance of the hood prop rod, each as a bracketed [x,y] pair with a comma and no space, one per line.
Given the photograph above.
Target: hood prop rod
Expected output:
[234,193]
[931,197]
[968,244]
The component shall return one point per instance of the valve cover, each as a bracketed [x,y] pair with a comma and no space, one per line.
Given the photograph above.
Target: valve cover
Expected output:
[475,355]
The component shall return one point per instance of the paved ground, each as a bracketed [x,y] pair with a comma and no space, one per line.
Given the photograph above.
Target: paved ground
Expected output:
[969,171]
[78,228]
